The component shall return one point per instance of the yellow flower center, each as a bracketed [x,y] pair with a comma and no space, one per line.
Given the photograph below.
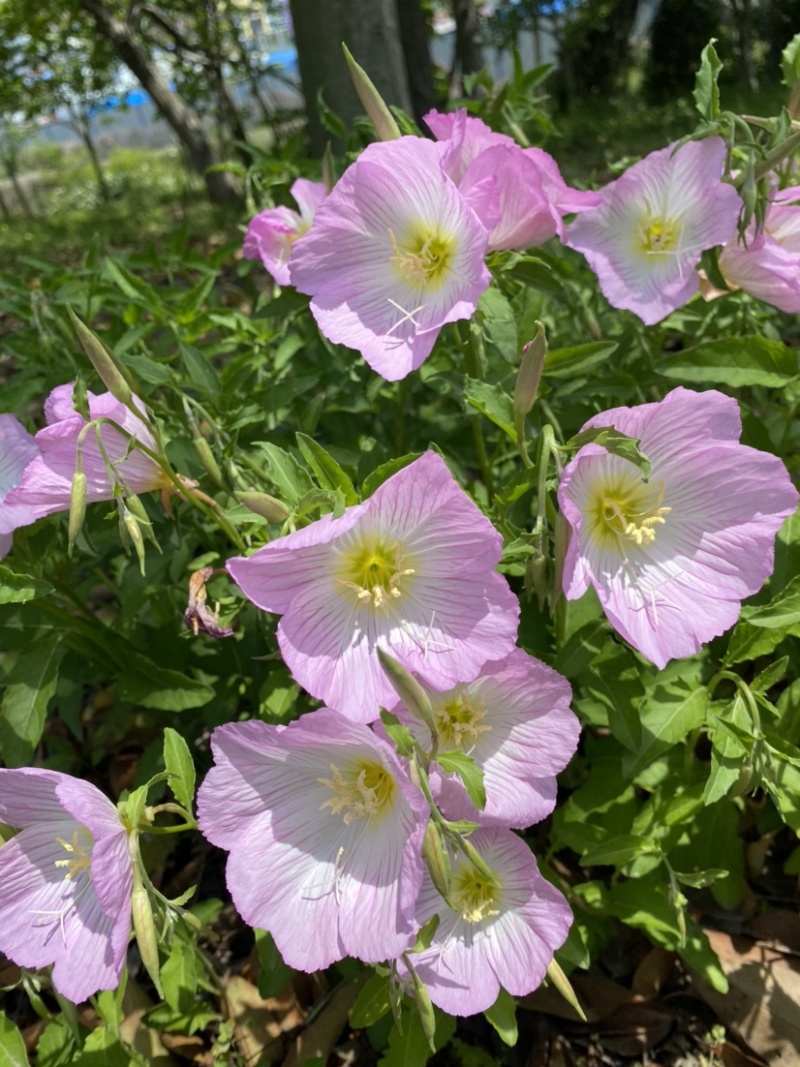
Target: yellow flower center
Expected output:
[80,860]
[658,235]
[626,509]
[424,257]
[474,897]
[373,569]
[362,790]
[458,720]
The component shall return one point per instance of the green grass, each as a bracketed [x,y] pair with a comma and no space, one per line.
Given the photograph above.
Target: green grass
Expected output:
[151,194]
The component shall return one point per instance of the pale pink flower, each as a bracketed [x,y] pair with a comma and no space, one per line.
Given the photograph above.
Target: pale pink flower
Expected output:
[646,239]
[65,881]
[325,836]
[492,936]
[395,253]
[272,233]
[672,558]
[515,722]
[411,570]
[767,263]
[17,450]
[46,485]
[530,196]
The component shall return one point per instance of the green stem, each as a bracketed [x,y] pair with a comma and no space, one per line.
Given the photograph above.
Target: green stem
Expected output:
[777,155]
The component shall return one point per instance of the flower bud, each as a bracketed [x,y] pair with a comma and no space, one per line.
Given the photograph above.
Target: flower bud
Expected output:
[478,862]
[437,860]
[409,690]
[145,928]
[328,168]
[137,509]
[377,112]
[77,508]
[103,362]
[425,1009]
[206,456]
[536,578]
[264,505]
[130,529]
[531,366]
[563,985]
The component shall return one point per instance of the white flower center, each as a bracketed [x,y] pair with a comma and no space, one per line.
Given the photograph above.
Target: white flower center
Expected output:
[360,792]
[472,896]
[458,719]
[373,569]
[423,257]
[623,508]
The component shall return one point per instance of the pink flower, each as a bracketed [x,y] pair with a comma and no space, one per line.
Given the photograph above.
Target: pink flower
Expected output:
[394,254]
[325,836]
[646,239]
[530,196]
[47,482]
[410,570]
[515,722]
[768,265]
[672,558]
[271,234]
[17,449]
[491,937]
[65,881]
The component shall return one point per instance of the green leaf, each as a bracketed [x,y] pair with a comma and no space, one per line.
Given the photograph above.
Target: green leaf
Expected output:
[770,676]
[706,91]
[569,362]
[499,324]
[372,1002]
[618,444]
[20,588]
[273,974]
[612,687]
[503,1017]
[399,734]
[328,472]
[31,683]
[201,372]
[410,1047]
[291,480]
[103,1046]
[132,286]
[668,715]
[12,1047]
[735,362]
[179,977]
[178,761]
[617,850]
[782,611]
[726,752]
[456,762]
[493,402]
[386,470]
[700,879]
[56,1046]
[161,688]
[750,642]
[790,62]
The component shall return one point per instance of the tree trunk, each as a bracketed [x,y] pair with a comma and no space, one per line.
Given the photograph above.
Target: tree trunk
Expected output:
[80,123]
[469,52]
[743,20]
[370,30]
[414,34]
[4,208]
[188,129]
[10,164]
